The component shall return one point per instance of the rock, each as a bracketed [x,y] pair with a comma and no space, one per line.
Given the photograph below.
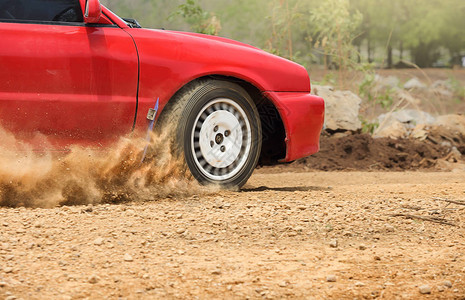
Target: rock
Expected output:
[447,284]
[331,278]
[407,116]
[216,272]
[362,247]
[98,241]
[8,270]
[386,82]
[396,125]
[333,243]
[180,230]
[442,84]
[453,123]
[93,279]
[377,257]
[3,284]
[425,289]
[128,257]
[284,284]
[359,284]
[342,108]
[395,130]
[414,83]
[420,132]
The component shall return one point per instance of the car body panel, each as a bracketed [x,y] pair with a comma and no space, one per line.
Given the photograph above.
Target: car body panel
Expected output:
[71,83]
[303,117]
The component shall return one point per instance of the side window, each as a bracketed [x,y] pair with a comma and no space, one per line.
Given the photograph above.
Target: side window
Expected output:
[41,10]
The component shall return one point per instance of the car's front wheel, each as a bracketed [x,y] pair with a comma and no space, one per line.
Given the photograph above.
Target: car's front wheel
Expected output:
[218,132]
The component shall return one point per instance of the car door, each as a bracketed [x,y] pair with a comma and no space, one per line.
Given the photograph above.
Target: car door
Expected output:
[62,79]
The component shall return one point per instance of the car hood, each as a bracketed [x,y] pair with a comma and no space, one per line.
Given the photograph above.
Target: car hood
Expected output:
[212,55]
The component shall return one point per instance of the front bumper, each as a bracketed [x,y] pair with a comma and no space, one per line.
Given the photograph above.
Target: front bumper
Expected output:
[303,117]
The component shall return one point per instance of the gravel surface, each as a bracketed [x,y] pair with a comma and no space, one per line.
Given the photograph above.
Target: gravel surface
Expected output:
[340,235]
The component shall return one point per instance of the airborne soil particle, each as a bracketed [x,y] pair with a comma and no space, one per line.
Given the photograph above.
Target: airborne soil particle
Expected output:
[272,240]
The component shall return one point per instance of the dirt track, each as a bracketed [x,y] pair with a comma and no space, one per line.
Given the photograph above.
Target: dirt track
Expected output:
[275,239]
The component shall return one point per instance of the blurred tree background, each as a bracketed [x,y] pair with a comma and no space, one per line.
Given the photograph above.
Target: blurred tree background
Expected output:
[336,34]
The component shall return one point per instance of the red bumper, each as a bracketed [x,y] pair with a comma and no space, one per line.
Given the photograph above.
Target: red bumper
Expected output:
[303,117]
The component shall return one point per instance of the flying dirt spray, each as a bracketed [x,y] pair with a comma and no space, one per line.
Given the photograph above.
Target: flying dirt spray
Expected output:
[86,176]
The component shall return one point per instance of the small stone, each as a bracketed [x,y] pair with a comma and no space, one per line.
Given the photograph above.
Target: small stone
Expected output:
[447,284]
[359,284]
[216,272]
[425,289]
[377,257]
[98,241]
[333,243]
[3,284]
[8,270]
[93,279]
[128,257]
[331,278]
[362,247]
[180,230]
[441,288]
[11,298]
[284,284]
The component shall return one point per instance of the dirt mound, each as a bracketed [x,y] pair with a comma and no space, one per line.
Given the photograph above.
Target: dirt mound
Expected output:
[362,152]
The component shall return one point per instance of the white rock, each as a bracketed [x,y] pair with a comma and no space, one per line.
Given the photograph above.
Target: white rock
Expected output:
[331,278]
[98,241]
[128,257]
[414,83]
[443,85]
[386,82]
[447,284]
[342,108]
[425,289]
[333,243]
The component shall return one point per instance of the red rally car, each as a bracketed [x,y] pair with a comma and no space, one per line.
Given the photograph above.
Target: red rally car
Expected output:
[76,73]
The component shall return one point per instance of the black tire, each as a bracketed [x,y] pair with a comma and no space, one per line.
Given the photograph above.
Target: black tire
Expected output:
[217,132]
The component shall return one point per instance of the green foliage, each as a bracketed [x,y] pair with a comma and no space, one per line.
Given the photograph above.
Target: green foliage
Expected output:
[368,127]
[382,97]
[201,21]
[333,29]
[458,89]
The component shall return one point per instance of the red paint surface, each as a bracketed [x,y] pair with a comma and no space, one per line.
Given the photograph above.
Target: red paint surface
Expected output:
[303,117]
[79,84]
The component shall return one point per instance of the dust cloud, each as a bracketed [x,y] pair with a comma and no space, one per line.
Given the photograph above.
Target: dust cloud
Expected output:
[85,176]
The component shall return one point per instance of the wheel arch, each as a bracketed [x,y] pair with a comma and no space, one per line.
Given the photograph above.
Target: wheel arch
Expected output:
[273,130]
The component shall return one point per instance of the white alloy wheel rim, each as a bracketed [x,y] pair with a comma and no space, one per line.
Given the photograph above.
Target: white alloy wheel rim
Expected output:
[221,139]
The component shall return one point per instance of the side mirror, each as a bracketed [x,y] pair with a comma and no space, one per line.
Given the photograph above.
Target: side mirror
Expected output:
[93,11]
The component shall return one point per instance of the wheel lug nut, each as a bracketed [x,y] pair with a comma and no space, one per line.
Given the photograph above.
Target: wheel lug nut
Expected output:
[223,148]
[227,133]
[212,143]
[215,129]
